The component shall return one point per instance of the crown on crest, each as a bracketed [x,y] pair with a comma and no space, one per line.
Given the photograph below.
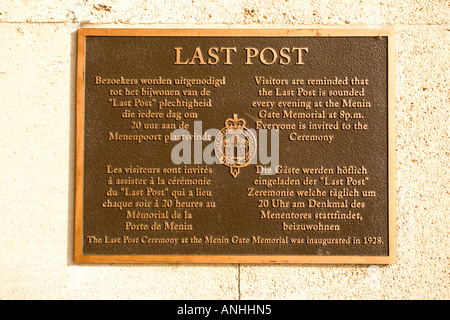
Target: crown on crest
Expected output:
[235,123]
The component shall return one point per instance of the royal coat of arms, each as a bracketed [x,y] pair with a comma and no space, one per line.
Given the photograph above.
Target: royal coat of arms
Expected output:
[235,145]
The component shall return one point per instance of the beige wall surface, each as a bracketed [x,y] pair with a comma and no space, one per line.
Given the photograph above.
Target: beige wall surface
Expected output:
[37,141]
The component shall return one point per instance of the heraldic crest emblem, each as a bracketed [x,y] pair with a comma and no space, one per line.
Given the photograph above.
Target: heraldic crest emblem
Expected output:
[235,145]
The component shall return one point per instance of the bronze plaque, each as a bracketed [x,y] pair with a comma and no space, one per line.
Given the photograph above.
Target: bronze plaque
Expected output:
[235,146]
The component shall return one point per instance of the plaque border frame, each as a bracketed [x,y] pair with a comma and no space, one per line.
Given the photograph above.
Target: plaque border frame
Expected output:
[78,255]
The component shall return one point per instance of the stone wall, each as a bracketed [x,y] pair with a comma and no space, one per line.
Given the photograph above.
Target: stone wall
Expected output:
[37,141]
